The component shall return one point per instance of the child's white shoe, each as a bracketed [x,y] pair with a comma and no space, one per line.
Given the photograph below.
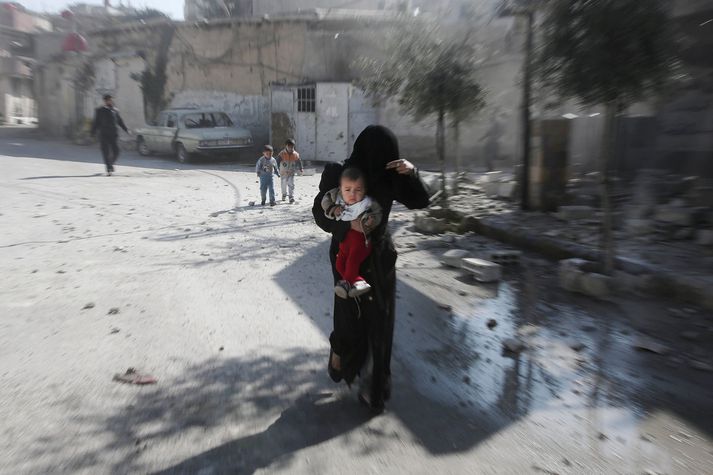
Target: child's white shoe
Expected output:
[360,287]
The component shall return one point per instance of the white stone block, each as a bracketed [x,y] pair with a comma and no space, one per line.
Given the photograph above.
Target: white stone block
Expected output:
[482,270]
[491,189]
[507,190]
[454,257]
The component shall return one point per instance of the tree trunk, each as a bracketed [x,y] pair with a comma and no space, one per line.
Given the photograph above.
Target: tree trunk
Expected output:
[609,142]
[441,150]
[526,99]
[456,140]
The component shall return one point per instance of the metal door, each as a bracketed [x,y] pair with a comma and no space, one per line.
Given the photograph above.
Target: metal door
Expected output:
[306,122]
[332,108]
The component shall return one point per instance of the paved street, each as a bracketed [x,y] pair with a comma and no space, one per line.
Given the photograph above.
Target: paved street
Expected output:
[165,268]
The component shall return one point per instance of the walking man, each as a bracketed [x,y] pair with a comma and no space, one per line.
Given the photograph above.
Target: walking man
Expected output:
[106,121]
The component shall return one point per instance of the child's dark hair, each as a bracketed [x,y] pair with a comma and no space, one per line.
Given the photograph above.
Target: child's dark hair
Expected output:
[353,174]
[267,148]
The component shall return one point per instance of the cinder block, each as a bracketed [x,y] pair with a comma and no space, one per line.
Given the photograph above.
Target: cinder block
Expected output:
[503,257]
[482,270]
[507,190]
[454,257]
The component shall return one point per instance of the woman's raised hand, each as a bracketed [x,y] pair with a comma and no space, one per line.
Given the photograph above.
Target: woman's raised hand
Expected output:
[401,166]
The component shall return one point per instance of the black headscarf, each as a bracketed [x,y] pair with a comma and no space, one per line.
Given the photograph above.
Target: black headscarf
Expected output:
[373,149]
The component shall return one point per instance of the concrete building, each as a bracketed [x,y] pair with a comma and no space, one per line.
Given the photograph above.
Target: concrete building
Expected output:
[17,27]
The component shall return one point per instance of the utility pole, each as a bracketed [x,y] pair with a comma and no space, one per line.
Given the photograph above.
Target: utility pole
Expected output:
[526,10]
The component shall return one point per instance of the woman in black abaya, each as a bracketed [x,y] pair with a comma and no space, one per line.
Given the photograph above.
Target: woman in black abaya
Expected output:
[364,328]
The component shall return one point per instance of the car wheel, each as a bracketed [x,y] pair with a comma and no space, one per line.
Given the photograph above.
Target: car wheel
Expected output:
[182,154]
[142,147]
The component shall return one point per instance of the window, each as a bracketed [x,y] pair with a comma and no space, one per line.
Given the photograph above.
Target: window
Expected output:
[171,121]
[221,120]
[305,99]
[206,120]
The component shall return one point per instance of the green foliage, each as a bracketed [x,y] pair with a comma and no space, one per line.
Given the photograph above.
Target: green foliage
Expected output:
[427,73]
[607,51]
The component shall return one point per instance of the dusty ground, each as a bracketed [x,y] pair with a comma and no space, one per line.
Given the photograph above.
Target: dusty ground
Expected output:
[229,307]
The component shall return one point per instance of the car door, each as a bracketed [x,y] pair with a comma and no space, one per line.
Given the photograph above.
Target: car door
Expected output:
[152,132]
[166,132]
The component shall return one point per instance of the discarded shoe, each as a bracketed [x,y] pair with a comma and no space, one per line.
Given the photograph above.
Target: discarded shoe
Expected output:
[134,377]
[360,287]
[342,289]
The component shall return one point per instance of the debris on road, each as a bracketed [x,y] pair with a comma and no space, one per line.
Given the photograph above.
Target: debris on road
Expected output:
[454,257]
[482,270]
[513,345]
[113,311]
[647,344]
[492,323]
[132,376]
[88,306]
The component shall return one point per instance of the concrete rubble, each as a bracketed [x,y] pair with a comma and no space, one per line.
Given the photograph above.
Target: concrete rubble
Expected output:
[482,270]
[663,230]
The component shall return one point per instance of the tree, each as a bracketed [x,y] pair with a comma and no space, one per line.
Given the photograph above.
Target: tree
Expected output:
[430,76]
[525,9]
[611,53]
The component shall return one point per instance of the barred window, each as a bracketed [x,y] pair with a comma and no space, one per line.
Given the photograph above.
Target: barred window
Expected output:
[305,99]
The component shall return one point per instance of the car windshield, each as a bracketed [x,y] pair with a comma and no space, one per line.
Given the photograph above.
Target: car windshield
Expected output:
[206,120]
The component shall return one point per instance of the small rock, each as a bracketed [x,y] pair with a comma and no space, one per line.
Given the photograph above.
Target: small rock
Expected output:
[114,331]
[701,366]
[113,311]
[445,306]
[647,344]
[221,348]
[602,436]
[61,272]
[88,306]
[462,293]
[466,379]
[577,346]
[492,323]
[513,345]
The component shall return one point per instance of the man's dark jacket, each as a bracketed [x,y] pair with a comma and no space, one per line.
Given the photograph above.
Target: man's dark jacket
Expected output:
[105,121]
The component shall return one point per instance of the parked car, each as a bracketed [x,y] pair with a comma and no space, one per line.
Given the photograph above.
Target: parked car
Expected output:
[188,133]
